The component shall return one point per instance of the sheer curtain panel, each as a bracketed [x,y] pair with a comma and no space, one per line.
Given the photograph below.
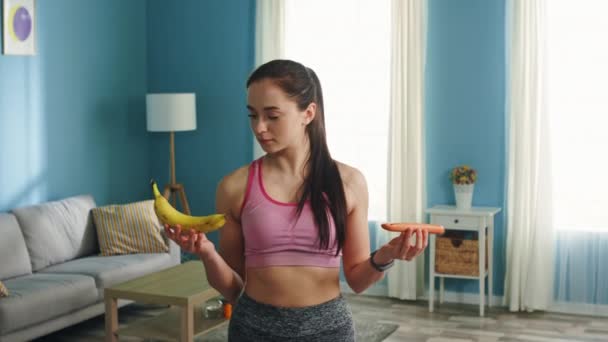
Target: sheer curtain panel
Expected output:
[578,107]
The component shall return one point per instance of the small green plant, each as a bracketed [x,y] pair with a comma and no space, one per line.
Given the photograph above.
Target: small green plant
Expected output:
[463,174]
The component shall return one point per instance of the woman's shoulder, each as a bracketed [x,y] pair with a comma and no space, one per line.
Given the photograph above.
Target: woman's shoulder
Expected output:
[351,176]
[235,182]
[355,186]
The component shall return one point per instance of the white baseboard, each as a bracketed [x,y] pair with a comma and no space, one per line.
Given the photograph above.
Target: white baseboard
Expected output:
[448,296]
[580,309]
[461,298]
[473,299]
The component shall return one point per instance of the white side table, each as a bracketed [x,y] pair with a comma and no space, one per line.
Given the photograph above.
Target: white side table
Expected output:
[476,219]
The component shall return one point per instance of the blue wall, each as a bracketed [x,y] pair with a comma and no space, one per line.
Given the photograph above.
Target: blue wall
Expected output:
[465,115]
[72,117]
[205,47]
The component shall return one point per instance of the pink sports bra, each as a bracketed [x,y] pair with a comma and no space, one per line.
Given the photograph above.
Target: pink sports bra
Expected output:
[275,236]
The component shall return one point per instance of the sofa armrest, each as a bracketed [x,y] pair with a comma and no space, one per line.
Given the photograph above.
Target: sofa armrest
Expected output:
[175,251]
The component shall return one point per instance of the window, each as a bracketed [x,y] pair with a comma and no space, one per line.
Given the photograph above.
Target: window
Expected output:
[347,43]
[577,103]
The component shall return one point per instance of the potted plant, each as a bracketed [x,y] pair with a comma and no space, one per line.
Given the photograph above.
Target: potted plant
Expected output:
[463,178]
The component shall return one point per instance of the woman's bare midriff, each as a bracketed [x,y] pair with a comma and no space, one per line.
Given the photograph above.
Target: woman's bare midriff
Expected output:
[293,286]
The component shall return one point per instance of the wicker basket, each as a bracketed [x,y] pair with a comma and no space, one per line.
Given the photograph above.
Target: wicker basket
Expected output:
[458,256]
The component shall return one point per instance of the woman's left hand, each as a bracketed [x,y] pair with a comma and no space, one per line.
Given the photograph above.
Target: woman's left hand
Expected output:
[401,247]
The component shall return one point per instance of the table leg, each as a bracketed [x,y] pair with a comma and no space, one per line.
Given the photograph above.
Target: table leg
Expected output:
[432,273]
[187,333]
[482,268]
[441,288]
[490,260]
[111,318]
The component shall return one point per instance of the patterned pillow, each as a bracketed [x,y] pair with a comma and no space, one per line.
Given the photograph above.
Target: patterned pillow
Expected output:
[129,228]
[3,290]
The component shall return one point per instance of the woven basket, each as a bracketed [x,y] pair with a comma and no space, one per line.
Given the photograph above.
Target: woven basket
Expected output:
[458,256]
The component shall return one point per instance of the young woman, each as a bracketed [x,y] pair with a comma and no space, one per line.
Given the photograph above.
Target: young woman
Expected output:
[291,215]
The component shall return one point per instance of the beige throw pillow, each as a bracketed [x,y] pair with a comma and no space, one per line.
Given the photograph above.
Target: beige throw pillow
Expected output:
[129,228]
[3,290]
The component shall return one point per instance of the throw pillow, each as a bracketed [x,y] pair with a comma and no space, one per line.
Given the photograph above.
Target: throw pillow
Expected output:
[129,228]
[3,290]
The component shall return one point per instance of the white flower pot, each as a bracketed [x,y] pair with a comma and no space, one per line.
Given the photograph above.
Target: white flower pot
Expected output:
[464,195]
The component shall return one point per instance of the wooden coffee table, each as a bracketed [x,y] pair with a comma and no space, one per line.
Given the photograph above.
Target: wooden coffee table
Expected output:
[184,287]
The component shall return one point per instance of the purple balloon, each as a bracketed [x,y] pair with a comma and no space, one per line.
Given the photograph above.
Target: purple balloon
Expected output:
[22,23]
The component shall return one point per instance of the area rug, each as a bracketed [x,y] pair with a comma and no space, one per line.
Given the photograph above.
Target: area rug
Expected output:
[93,329]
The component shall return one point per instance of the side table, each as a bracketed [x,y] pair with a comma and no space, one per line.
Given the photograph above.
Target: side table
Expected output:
[184,287]
[477,219]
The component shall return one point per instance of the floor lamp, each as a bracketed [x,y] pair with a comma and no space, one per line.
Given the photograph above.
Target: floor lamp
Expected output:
[172,113]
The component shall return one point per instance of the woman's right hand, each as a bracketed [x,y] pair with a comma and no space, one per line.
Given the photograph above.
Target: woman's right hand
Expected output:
[190,240]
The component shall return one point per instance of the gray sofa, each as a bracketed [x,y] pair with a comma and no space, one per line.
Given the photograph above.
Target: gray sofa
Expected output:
[50,263]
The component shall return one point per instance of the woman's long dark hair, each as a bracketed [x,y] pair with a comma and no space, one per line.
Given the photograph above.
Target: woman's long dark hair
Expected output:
[323,184]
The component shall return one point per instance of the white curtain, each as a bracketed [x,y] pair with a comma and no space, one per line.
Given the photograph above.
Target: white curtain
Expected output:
[577,101]
[269,40]
[530,232]
[406,190]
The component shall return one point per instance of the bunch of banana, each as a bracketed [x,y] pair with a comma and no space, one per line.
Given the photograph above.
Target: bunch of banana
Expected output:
[171,216]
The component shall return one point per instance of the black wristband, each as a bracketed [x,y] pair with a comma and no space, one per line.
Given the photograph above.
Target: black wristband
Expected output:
[379,268]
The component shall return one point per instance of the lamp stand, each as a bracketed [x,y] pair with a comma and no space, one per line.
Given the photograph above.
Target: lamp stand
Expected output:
[174,189]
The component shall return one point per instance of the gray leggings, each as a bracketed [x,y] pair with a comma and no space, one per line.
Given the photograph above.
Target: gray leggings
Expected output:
[254,321]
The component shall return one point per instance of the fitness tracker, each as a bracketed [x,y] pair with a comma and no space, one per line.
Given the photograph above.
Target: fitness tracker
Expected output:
[379,268]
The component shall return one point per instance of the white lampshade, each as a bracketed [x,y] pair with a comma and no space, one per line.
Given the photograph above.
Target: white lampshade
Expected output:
[171,112]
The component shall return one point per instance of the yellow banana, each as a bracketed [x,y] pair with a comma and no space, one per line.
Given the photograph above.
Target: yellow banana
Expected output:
[171,216]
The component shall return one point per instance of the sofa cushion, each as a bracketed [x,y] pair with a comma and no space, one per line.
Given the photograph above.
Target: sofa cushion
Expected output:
[39,297]
[129,228]
[58,231]
[14,259]
[111,270]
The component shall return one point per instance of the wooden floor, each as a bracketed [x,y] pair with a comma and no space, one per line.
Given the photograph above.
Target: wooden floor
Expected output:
[458,322]
[449,322]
